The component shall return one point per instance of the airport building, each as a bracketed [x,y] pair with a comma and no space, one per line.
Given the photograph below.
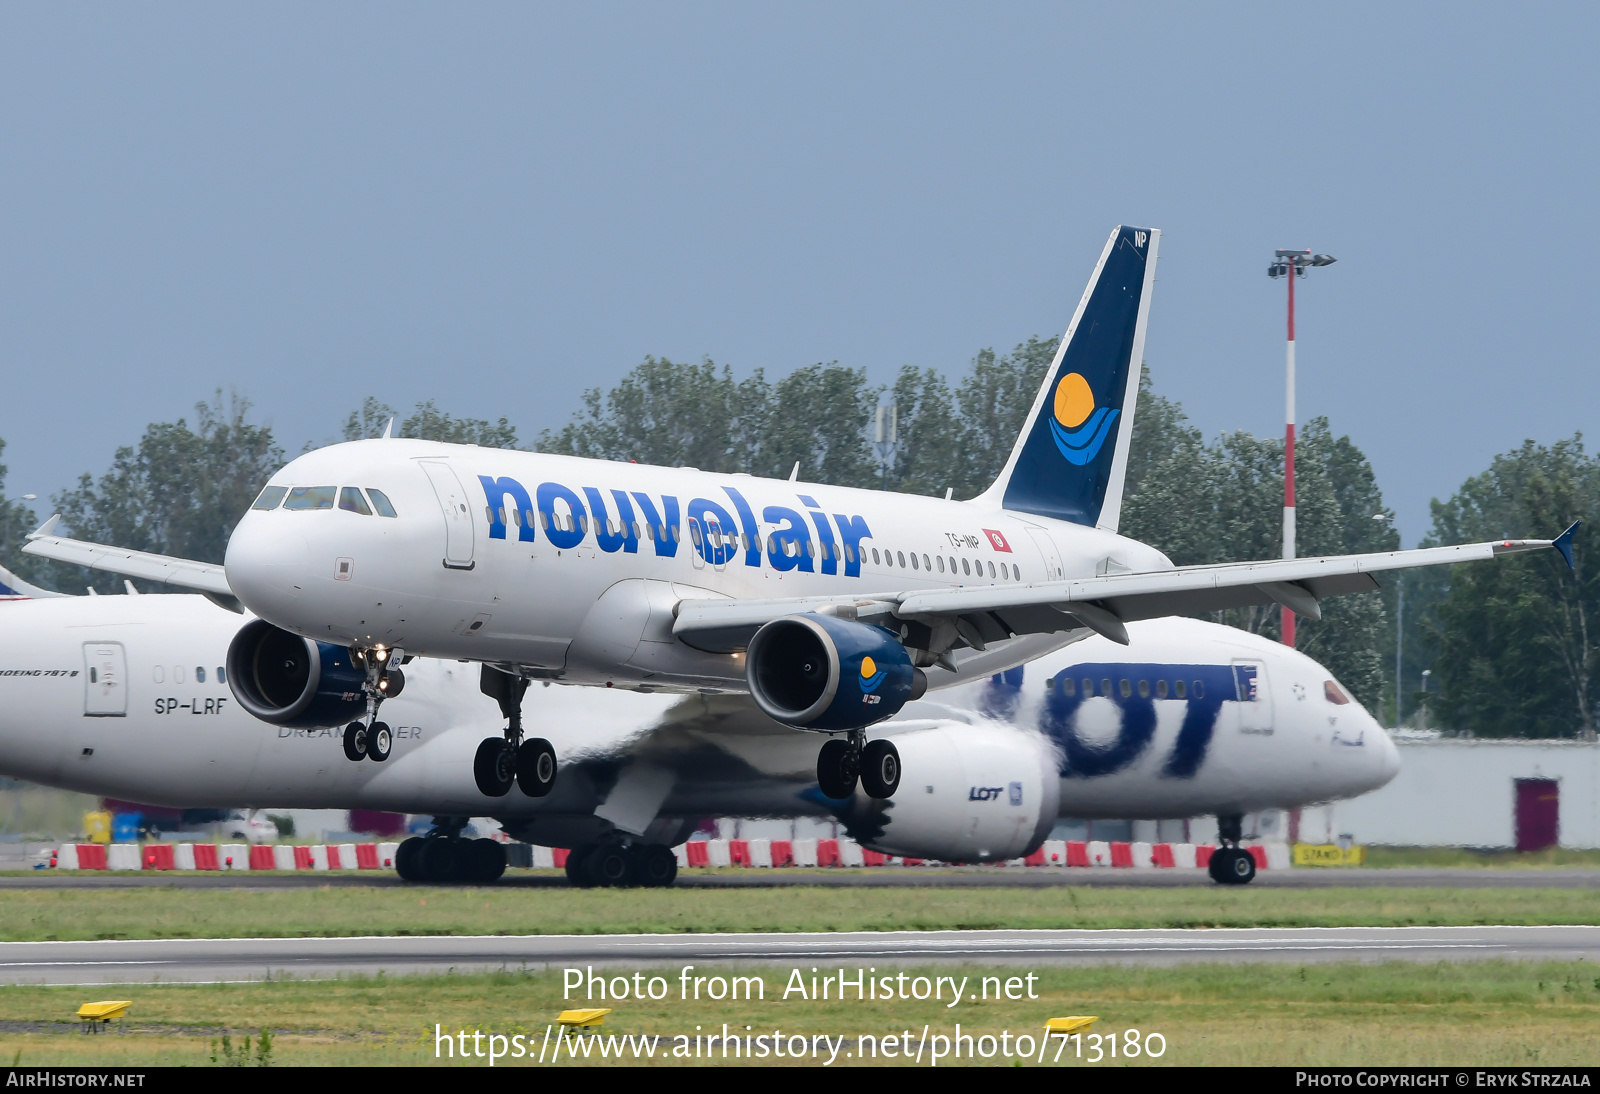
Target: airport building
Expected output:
[1458,792]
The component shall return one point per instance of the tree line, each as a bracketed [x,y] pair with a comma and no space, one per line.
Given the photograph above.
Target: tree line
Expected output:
[1508,643]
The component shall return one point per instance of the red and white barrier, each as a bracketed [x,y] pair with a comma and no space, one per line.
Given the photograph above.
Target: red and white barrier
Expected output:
[1109,854]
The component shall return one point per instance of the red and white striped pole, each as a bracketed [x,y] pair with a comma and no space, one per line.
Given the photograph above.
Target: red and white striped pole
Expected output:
[1288,459]
[1291,264]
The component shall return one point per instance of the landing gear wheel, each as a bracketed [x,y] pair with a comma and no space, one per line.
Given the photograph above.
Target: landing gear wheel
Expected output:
[405,859]
[495,767]
[607,866]
[1238,868]
[837,765]
[536,767]
[437,860]
[380,741]
[355,741]
[654,866]
[483,861]
[575,871]
[880,769]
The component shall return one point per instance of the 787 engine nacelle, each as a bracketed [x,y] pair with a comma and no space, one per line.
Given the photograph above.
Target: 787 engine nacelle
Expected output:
[824,673]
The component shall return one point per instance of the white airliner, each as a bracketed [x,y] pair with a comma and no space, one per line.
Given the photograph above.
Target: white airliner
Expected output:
[833,608]
[128,697]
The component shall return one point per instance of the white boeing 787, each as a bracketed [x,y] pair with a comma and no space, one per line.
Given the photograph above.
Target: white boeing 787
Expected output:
[128,696]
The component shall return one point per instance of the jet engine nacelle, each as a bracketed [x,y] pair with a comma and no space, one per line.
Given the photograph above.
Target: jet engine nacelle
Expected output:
[288,680]
[971,793]
[825,673]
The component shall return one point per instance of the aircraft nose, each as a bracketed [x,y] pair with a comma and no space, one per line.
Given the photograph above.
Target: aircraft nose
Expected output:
[1388,758]
[265,566]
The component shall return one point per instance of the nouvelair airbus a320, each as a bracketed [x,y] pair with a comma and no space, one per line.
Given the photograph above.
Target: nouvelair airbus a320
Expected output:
[832,607]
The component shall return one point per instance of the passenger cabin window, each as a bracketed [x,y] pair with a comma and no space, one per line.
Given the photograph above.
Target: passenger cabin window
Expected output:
[1161,689]
[270,497]
[1179,688]
[1144,689]
[199,674]
[941,564]
[351,501]
[222,677]
[1067,686]
[926,565]
[902,558]
[380,502]
[1334,693]
[310,497]
[914,564]
[1124,687]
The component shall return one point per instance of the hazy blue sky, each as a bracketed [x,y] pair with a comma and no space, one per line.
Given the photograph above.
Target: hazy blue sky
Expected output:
[499,205]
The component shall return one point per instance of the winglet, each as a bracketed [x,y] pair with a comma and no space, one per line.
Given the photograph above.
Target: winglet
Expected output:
[388,428]
[1563,543]
[48,528]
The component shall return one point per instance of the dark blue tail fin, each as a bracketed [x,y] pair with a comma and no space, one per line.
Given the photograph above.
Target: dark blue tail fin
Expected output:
[1072,456]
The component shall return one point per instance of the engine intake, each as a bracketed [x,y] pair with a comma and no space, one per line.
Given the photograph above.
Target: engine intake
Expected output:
[824,673]
[288,680]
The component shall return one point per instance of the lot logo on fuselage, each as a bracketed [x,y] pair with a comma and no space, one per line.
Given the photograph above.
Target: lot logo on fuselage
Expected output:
[1135,691]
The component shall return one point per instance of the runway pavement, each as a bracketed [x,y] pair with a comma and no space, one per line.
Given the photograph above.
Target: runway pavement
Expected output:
[214,960]
[912,877]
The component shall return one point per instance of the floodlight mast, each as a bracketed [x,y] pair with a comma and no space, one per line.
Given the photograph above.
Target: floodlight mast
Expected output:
[1293,265]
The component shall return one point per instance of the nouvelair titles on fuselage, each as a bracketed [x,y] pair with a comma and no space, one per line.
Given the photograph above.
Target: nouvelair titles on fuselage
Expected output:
[717,534]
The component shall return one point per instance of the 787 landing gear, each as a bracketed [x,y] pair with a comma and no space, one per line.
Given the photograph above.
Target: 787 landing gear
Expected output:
[875,763]
[373,739]
[500,761]
[1231,864]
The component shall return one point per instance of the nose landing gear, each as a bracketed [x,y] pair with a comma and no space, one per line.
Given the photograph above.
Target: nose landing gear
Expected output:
[372,739]
[1231,864]
[841,763]
[502,761]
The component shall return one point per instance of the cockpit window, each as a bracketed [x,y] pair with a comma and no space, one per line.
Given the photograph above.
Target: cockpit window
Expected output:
[350,499]
[310,497]
[270,497]
[380,502]
[1334,693]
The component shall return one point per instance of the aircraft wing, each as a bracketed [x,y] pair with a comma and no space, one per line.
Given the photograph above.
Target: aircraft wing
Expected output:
[204,577]
[991,613]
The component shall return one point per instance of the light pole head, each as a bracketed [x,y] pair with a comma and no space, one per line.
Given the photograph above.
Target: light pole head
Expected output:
[1296,262]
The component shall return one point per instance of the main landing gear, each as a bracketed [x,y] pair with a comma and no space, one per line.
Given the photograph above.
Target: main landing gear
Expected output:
[612,865]
[442,855]
[875,763]
[501,761]
[1231,864]
[372,739]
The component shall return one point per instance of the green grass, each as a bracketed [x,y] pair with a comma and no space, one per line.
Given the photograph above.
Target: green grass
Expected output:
[339,910]
[1456,1015]
[1466,857]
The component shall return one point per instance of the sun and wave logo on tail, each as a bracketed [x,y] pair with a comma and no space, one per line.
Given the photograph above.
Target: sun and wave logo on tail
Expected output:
[1079,427]
[871,675]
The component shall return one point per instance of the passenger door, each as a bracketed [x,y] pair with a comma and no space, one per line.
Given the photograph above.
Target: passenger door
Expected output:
[1254,697]
[105,680]
[458,522]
